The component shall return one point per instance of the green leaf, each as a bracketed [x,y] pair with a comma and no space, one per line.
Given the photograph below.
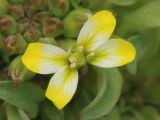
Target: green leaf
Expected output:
[12,112]
[152,37]
[67,44]
[128,117]
[151,93]
[138,20]
[123,2]
[96,5]
[132,67]
[2,112]
[25,96]
[139,44]
[50,112]
[110,83]
[113,115]
[147,113]
[23,115]
[75,3]
[151,56]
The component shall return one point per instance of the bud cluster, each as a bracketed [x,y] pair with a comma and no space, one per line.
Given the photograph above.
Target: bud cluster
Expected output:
[55,22]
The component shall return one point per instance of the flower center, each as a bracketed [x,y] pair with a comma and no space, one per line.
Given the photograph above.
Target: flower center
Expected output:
[72,62]
[76,58]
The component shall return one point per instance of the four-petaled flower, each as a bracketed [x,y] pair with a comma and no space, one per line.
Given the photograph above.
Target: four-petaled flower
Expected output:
[93,46]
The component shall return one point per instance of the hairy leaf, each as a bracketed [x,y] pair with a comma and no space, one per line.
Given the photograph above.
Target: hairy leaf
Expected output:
[51,113]
[139,44]
[138,20]
[2,112]
[147,113]
[123,2]
[25,96]
[12,112]
[113,115]
[110,83]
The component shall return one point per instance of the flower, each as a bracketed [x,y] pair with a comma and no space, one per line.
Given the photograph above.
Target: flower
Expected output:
[93,47]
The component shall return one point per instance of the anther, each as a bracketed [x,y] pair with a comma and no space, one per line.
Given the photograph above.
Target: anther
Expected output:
[80,48]
[72,60]
[72,65]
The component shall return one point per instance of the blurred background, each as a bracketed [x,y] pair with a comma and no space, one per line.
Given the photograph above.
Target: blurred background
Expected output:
[133,92]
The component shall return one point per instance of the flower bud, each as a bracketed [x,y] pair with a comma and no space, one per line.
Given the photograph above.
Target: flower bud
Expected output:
[14,44]
[16,11]
[74,21]
[52,27]
[18,72]
[58,7]
[17,1]
[67,44]
[97,4]
[23,25]
[48,40]
[41,15]
[121,2]
[38,4]
[75,3]
[34,6]
[8,25]
[1,42]
[33,32]
[3,6]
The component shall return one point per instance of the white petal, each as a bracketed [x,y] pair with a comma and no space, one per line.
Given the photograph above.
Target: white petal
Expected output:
[62,87]
[97,30]
[116,52]
[44,58]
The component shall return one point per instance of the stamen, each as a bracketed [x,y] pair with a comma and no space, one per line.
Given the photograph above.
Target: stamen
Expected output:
[80,48]
[72,65]
[72,60]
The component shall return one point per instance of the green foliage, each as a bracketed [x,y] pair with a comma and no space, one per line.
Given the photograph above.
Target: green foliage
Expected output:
[58,8]
[142,18]
[12,112]
[50,112]
[25,96]
[147,112]
[74,21]
[138,42]
[113,115]
[110,82]
[2,112]
[123,2]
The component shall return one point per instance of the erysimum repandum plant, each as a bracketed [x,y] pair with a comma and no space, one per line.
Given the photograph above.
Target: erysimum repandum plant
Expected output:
[93,46]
